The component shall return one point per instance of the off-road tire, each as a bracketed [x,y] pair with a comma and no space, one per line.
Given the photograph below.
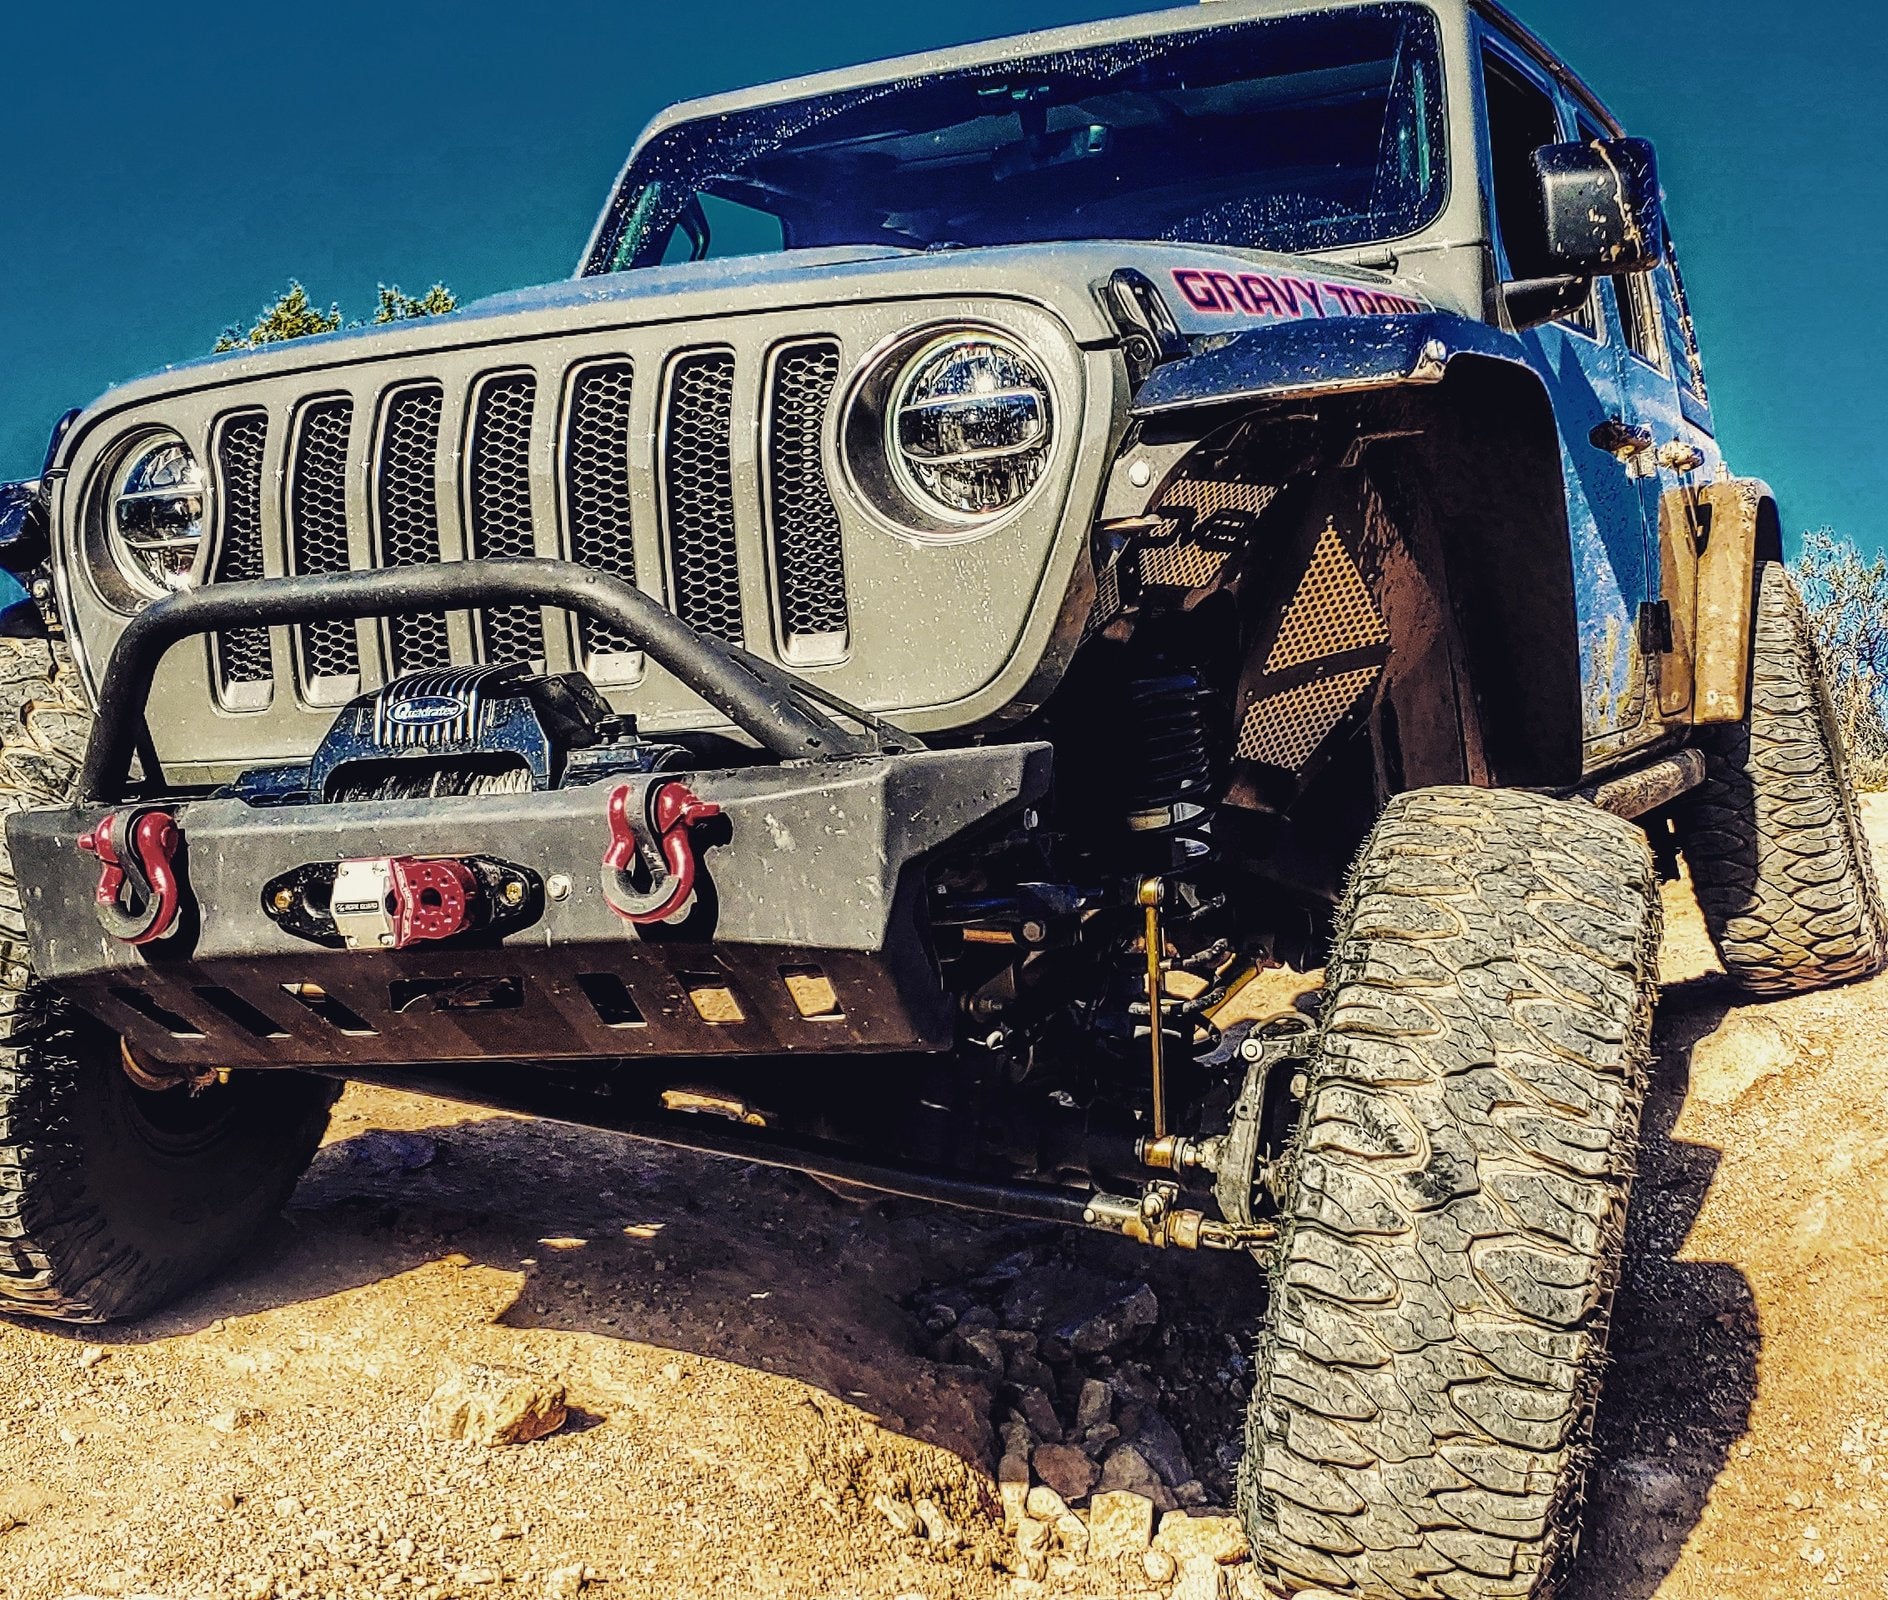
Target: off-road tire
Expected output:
[1455,1209]
[1778,858]
[113,1199]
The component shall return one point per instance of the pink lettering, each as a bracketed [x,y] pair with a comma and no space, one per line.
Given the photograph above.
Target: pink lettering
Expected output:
[1198,290]
[1294,288]
[1263,293]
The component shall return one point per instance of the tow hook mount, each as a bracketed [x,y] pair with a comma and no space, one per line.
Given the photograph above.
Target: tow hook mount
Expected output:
[649,871]
[140,889]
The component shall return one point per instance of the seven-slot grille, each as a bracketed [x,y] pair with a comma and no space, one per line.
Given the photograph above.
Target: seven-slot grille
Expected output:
[606,451]
[531,461]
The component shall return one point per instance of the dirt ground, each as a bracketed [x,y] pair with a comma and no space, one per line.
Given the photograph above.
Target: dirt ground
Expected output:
[753,1376]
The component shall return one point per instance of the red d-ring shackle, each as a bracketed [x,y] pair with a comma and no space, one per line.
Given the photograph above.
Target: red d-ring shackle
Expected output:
[660,853]
[138,853]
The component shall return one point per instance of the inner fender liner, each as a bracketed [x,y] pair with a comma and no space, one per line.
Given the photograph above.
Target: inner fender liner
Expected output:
[811,871]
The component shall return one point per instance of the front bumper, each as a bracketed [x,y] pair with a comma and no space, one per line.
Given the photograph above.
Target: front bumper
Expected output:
[817,871]
[811,884]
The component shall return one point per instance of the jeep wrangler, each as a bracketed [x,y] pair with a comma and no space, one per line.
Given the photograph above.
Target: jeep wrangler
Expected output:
[990,552]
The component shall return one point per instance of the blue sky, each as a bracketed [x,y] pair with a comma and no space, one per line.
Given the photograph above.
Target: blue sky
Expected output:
[169,169]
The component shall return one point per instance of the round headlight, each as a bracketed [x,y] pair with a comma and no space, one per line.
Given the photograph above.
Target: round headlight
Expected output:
[156,515]
[970,426]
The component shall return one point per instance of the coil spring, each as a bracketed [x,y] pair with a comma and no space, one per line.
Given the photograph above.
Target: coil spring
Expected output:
[1167,747]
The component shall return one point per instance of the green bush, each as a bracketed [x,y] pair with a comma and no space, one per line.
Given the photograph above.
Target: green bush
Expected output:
[1847,596]
[292,315]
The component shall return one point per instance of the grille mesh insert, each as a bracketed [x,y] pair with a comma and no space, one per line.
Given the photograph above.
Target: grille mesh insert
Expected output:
[698,493]
[501,507]
[407,492]
[596,485]
[318,528]
[809,560]
[242,654]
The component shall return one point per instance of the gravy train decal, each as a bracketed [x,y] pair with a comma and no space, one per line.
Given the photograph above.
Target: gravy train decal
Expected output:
[1268,295]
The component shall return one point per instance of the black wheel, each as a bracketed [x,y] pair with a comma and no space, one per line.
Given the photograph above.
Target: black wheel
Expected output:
[1772,837]
[113,1199]
[1455,1211]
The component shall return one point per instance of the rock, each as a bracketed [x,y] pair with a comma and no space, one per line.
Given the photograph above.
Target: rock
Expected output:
[1029,1371]
[938,1528]
[231,1418]
[1016,1439]
[1160,1447]
[1159,1567]
[1033,1540]
[1096,1441]
[939,1319]
[1016,1342]
[1012,1487]
[1093,1404]
[1073,1532]
[289,1506]
[1114,1324]
[492,1405]
[1045,1505]
[1076,1311]
[983,1348]
[1133,1384]
[1188,1538]
[478,1577]
[1126,1468]
[385,1153]
[1202,1580]
[1191,1493]
[1067,1471]
[1039,1412]
[1731,1060]
[1120,1523]
[565,1583]
[90,1355]
[903,1519]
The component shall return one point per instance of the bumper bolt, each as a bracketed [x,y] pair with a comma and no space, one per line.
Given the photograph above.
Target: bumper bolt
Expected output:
[282,899]
[514,893]
[557,886]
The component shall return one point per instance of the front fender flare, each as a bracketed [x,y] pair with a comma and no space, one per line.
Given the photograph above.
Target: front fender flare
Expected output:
[1339,355]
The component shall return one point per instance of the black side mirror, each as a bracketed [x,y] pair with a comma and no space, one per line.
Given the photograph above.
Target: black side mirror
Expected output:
[1602,207]
[22,526]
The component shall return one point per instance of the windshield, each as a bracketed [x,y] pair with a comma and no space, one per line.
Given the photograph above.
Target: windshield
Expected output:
[1292,133]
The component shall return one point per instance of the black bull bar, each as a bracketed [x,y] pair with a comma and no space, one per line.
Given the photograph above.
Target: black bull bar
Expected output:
[779,711]
[812,880]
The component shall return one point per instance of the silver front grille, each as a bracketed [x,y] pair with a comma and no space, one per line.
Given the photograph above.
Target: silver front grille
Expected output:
[694,473]
[698,492]
[406,492]
[317,523]
[501,506]
[242,654]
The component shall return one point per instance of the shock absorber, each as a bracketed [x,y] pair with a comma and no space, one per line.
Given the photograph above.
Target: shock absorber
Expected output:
[1167,750]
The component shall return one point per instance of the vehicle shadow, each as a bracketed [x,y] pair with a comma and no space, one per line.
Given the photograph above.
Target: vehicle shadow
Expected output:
[760,1269]
[1684,1345]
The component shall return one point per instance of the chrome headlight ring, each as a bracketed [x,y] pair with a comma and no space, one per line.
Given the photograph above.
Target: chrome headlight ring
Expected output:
[153,518]
[949,430]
